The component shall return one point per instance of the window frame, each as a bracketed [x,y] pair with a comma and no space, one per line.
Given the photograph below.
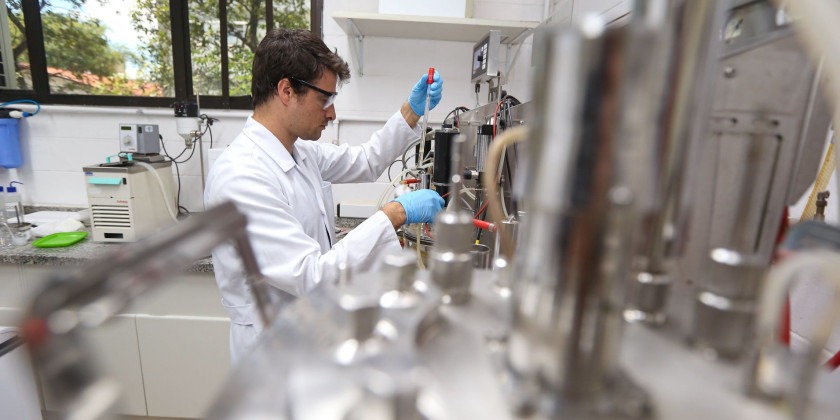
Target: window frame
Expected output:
[181,62]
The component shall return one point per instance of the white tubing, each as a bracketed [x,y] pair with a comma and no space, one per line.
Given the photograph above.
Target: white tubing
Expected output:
[150,168]
[494,207]
[826,265]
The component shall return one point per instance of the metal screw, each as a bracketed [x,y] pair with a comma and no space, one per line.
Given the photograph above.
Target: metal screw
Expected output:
[729,72]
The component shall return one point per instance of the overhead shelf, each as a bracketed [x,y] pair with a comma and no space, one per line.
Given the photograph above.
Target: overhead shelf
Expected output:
[361,25]
[422,27]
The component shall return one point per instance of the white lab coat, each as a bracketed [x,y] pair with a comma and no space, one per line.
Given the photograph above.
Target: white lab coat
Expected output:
[287,199]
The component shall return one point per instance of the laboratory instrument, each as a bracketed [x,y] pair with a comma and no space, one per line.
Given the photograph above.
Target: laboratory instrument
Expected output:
[140,139]
[128,200]
[187,121]
[602,300]
[486,61]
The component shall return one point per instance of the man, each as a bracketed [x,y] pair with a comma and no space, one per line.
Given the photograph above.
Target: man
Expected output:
[282,182]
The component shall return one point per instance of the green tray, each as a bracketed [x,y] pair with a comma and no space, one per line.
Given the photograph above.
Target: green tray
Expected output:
[59,239]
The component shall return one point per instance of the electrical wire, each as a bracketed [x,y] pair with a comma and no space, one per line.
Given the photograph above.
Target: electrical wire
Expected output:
[166,153]
[456,122]
[208,120]
[177,171]
[210,130]
[481,209]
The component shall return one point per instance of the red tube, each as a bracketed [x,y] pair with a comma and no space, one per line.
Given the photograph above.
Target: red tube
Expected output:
[834,362]
[431,78]
[409,181]
[784,323]
[481,224]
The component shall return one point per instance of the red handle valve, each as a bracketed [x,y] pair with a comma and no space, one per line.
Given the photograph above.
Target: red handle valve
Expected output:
[481,224]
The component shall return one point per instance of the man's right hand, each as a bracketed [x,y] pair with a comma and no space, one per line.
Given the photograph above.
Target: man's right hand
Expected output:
[419,206]
[417,97]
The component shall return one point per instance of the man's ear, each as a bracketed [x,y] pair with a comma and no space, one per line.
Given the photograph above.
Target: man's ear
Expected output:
[285,91]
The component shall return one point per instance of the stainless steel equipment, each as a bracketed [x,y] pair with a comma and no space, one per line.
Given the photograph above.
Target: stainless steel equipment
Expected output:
[486,60]
[73,300]
[616,110]
[762,152]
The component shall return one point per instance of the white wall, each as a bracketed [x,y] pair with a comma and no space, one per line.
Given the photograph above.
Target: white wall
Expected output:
[61,139]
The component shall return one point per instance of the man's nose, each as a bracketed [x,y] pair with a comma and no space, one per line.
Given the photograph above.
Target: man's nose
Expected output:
[331,113]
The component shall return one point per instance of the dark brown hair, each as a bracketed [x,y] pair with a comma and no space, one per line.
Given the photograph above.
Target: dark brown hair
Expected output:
[295,53]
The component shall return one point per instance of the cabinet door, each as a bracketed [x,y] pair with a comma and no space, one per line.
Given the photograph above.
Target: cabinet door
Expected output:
[115,347]
[11,295]
[185,362]
[188,294]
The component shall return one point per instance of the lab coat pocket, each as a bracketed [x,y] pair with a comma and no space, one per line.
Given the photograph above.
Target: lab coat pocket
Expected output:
[240,314]
[329,207]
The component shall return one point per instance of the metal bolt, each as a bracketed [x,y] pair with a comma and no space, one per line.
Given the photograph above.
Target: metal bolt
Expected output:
[729,72]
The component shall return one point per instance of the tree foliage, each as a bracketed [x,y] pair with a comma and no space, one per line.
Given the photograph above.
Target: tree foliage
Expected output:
[73,44]
[81,45]
[246,27]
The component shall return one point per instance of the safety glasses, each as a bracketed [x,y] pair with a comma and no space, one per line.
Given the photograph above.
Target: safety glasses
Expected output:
[330,95]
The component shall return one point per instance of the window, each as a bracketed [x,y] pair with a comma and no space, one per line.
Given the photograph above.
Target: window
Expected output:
[139,52]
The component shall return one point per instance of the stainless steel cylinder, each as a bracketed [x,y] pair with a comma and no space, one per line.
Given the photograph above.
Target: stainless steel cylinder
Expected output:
[399,270]
[509,228]
[688,50]
[574,248]
[648,297]
[480,256]
[425,181]
[450,261]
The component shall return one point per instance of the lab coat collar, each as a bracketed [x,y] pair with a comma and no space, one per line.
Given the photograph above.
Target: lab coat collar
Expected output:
[271,145]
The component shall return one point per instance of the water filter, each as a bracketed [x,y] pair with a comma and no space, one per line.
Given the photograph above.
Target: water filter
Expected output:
[10,156]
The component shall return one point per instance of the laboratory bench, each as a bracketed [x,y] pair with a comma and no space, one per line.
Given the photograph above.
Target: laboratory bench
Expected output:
[169,350]
[87,250]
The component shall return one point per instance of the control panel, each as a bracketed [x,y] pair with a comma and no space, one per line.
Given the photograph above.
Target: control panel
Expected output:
[139,138]
[485,57]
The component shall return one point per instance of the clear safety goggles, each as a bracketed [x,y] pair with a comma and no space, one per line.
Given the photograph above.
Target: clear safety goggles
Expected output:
[330,95]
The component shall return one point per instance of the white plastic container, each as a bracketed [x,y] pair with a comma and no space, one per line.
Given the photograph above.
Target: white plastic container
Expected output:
[437,8]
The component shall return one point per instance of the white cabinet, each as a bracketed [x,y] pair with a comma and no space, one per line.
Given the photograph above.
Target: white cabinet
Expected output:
[185,363]
[115,348]
[169,350]
[11,295]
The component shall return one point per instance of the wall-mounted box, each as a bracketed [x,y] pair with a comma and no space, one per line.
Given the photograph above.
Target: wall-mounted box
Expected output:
[438,8]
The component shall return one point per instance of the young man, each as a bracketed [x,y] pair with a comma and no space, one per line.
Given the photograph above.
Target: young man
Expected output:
[280,178]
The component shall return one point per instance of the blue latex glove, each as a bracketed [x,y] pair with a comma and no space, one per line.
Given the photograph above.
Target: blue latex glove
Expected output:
[421,206]
[417,98]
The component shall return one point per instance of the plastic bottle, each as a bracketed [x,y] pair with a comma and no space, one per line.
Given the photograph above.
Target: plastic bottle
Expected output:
[13,207]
